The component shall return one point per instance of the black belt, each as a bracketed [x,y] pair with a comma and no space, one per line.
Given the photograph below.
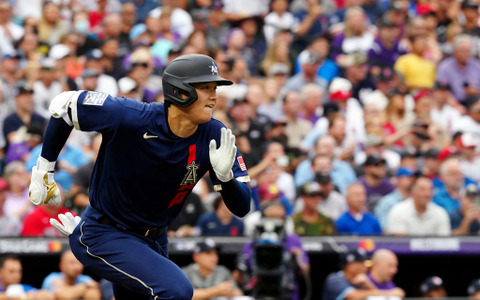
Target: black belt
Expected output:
[152,233]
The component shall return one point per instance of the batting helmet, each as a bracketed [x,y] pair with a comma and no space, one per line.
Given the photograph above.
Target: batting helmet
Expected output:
[184,70]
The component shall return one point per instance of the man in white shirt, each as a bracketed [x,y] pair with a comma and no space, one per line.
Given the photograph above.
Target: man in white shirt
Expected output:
[418,215]
[10,32]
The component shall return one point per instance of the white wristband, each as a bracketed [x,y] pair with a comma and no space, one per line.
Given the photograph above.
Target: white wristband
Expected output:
[45,165]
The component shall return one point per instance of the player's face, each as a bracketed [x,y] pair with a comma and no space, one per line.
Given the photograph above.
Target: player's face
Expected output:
[202,109]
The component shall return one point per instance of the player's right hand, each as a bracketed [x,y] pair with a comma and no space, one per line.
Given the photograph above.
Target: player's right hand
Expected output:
[69,222]
[43,189]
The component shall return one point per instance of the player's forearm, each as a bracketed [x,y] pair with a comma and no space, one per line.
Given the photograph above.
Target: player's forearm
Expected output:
[236,196]
[55,138]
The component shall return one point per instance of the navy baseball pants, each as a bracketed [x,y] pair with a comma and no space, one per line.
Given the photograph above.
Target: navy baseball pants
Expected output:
[137,266]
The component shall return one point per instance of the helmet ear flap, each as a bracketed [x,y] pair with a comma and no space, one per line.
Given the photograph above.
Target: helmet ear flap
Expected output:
[174,88]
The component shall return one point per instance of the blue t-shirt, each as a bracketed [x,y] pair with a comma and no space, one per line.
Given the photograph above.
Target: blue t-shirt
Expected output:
[336,286]
[368,225]
[47,282]
[210,225]
[144,172]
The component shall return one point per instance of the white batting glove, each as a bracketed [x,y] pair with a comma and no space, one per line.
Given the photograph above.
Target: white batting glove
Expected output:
[43,189]
[222,159]
[69,223]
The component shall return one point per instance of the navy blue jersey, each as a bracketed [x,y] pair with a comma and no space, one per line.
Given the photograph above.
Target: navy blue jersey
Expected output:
[144,172]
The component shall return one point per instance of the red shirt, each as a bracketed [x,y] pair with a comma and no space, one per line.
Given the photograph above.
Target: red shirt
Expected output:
[37,223]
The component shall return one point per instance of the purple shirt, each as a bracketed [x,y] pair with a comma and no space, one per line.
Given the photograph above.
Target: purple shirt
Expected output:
[380,55]
[382,285]
[375,193]
[449,71]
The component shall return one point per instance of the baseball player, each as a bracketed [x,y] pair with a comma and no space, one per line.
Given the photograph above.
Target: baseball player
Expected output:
[151,157]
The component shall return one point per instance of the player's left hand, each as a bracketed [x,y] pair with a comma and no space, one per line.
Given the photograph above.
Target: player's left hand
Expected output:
[69,223]
[222,159]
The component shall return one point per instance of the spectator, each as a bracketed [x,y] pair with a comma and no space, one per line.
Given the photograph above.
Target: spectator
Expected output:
[17,202]
[352,282]
[24,114]
[10,225]
[404,180]
[431,164]
[354,68]
[220,222]
[61,54]
[374,145]
[311,21]
[461,70]
[20,150]
[10,32]
[278,19]
[469,161]
[105,83]
[70,283]
[466,219]
[112,63]
[453,180]
[384,268]
[417,215]
[432,287]
[357,220]
[210,280]
[470,122]
[128,88]
[297,128]
[184,224]
[309,65]
[386,48]
[45,87]
[375,181]
[80,24]
[51,26]
[442,112]
[10,282]
[418,71]
[278,52]
[473,289]
[310,221]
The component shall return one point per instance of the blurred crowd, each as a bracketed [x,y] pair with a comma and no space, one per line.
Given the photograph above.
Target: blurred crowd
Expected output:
[361,117]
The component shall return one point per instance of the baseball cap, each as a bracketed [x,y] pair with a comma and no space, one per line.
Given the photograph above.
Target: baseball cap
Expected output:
[308,57]
[89,72]
[431,153]
[420,94]
[374,160]
[278,69]
[373,140]
[473,287]
[352,59]
[268,191]
[3,184]
[59,51]
[94,54]
[354,255]
[447,152]
[431,283]
[22,87]
[469,4]
[126,85]
[404,172]
[340,89]
[205,246]
[323,177]
[441,85]
[310,189]
[11,54]
[468,140]
[47,64]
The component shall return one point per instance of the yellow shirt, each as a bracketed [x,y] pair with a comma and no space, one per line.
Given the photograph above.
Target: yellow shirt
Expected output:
[418,71]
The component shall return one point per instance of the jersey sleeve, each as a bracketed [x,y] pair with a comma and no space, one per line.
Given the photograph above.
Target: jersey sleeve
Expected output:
[95,111]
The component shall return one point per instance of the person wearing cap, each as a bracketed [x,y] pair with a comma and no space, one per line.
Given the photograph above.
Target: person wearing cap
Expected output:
[386,48]
[309,64]
[374,145]
[24,114]
[45,87]
[105,83]
[10,224]
[375,180]
[469,161]
[418,215]
[442,111]
[321,46]
[352,282]
[460,70]
[61,54]
[210,280]
[128,88]
[470,25]
[357,220]
[433,287]
[473,289]
[310,221]
[470,122]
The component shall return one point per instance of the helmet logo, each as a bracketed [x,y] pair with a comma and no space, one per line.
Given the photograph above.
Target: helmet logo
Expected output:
[214,69]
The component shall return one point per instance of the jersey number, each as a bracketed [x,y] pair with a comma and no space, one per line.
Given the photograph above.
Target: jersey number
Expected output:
[182,192]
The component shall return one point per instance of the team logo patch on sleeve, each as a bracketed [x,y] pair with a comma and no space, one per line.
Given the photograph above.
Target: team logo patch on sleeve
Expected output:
[95,98]
[242,164]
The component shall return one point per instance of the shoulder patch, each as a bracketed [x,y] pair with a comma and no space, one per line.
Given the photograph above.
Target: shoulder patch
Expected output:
[95,98]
